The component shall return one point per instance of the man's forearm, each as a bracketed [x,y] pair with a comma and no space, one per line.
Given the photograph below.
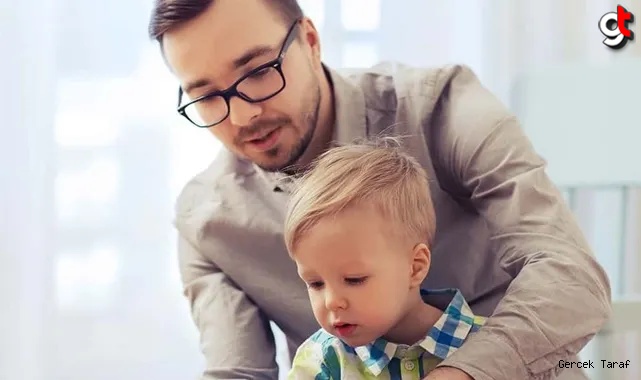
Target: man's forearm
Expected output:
[236,339]
[447,373]
[536,324]
[559,297]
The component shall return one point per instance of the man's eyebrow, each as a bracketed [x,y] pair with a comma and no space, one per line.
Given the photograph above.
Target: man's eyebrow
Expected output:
[255,52]
[239,62]
[190,86]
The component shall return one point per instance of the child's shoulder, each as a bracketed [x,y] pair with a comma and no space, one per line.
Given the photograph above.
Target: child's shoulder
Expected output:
[320,356]
[322,347]
[321,341]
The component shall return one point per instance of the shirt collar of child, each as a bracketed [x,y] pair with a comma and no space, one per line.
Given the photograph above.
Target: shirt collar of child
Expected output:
[443,339]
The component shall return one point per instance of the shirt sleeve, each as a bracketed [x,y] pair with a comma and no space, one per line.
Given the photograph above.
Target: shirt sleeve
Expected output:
[486,159]
[236,339]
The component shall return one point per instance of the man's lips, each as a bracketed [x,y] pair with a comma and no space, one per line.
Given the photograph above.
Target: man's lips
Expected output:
[259,136]
[265,142]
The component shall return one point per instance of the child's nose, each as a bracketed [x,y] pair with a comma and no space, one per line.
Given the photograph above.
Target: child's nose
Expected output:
[334,301]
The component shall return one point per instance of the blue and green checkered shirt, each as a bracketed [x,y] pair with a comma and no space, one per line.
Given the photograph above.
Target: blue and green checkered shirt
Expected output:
[325,357]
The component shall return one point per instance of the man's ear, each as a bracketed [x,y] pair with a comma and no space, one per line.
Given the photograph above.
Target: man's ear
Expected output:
[421,260]
[311,38]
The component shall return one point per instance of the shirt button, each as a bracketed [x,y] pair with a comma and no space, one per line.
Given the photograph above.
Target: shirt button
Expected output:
[409,365]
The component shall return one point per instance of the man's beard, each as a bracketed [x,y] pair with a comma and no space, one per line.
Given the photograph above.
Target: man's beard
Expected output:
[310,120]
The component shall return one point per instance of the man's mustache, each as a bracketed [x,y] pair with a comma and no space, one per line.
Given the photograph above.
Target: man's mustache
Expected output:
[259,127]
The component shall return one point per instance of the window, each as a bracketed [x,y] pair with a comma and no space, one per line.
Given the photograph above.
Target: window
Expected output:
[315,10]
[84,280]
[361,15]
[86,192]
[359,54]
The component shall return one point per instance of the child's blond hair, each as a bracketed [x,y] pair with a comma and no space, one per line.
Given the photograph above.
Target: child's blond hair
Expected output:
[373,173]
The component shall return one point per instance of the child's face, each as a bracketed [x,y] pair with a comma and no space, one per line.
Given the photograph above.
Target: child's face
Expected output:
[360,276]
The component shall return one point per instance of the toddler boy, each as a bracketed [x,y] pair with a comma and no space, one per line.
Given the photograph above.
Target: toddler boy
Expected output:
[360,227]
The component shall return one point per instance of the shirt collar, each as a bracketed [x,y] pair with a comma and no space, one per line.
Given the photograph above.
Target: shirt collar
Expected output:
[443,339]
[349,108]
[350,124]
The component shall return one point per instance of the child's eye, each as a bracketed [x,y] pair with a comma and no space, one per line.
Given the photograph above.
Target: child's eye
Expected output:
[315,284]
[355,280]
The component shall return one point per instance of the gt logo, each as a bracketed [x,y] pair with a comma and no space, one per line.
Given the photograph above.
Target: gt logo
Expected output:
[614,26]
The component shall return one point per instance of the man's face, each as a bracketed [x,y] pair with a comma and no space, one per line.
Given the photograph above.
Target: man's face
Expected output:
[211,52]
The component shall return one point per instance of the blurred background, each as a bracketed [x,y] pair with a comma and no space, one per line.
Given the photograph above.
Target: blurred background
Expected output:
[93,156]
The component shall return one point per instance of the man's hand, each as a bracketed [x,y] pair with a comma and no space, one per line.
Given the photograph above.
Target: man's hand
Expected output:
[448,373]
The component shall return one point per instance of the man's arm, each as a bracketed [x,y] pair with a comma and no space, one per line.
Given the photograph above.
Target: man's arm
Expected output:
[560,297]
[235,338]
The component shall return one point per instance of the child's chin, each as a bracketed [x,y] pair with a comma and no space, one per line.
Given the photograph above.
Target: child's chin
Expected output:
[357,342]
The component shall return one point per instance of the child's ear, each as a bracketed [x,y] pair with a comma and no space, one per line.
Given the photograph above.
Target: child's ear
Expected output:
[421,260]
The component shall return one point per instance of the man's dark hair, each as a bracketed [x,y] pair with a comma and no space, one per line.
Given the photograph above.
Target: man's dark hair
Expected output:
[168,14]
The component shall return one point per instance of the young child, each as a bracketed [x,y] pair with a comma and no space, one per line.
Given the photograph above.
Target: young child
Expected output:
[359,227]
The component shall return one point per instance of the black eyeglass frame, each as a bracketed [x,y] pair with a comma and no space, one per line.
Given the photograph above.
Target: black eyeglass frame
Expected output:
[232,90]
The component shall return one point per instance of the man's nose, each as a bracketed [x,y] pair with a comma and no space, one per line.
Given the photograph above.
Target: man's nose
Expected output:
[334,300]
[242,112]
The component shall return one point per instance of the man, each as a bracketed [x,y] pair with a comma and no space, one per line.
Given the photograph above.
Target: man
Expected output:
[250,72]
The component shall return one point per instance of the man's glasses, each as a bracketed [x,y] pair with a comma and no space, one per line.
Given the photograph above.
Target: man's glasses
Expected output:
[258,85]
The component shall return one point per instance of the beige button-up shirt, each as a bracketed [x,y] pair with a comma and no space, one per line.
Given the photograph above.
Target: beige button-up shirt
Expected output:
[504,236]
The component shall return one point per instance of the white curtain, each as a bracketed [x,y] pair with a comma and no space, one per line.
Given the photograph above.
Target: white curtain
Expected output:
[27,165]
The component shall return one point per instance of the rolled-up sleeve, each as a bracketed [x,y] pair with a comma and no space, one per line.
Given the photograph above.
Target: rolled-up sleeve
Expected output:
[560,296]
[235,338]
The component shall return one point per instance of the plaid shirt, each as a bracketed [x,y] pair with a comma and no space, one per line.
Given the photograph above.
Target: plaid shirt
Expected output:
[325,357]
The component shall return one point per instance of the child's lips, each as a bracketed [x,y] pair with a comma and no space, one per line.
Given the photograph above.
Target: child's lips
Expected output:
[344,330]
